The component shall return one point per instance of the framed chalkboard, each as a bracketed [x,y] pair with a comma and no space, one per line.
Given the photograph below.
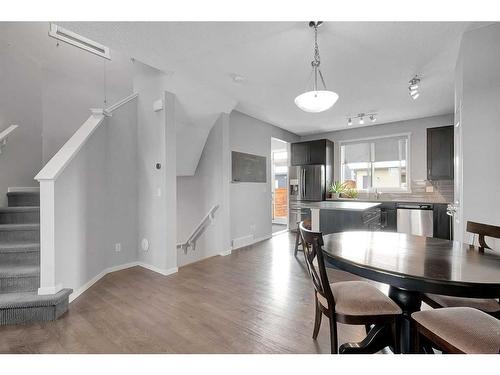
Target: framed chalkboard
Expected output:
[248,167]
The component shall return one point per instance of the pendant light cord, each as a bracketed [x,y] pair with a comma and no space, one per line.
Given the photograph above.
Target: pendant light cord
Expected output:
[317,61]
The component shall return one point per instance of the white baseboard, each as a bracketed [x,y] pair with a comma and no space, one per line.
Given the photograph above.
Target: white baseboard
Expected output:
[163,271]
[77,293]
[225,253]
[254,241]
[236,243]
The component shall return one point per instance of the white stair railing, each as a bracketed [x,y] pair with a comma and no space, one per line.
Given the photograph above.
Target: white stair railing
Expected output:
[198,231]
[4,135]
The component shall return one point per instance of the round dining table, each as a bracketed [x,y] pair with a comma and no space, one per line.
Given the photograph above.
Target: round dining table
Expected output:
[413,265]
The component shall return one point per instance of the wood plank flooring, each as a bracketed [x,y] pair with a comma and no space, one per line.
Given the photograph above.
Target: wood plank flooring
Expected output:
[256,300]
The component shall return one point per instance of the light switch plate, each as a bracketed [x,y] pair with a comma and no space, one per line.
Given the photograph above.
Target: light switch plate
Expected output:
[118,247]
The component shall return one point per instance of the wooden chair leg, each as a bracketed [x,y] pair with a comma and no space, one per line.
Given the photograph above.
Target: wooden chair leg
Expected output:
[317,320]
[333,336]
[297,239]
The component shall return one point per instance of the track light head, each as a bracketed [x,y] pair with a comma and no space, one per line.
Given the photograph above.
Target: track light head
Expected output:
[361,121]
[413,85]
[372,118]
[349,122]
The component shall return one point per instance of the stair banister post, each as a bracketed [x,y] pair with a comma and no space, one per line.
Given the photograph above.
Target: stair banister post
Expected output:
[48,283]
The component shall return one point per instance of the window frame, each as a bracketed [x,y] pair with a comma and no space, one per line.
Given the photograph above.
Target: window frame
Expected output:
[367,140]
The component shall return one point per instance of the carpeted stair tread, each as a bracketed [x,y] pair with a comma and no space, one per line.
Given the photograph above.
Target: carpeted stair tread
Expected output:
[32,299]
[10,270]
[10,227]
[19,247]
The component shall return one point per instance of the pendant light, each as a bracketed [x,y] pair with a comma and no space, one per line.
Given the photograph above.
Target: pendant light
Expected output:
[316,100]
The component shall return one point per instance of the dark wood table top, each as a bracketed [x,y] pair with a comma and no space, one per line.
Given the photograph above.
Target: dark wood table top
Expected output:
[416,263]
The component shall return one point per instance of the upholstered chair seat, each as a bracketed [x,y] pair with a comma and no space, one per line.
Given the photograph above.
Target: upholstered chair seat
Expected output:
[359,298]
[483,304]
[460,329]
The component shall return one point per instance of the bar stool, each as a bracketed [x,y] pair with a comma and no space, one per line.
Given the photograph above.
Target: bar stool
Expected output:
[298,237]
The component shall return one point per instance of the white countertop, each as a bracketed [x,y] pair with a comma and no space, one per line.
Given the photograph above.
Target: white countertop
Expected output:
[344,206]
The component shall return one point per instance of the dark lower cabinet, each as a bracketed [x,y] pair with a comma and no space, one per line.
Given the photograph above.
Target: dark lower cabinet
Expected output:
[442,222]
[334,221]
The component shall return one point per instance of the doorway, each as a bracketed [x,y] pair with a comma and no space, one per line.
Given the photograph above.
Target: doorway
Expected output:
[279,185]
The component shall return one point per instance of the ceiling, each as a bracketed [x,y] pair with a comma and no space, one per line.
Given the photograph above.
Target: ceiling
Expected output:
[367,63]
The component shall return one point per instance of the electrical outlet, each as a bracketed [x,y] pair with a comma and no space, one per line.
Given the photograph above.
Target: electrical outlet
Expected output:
[118,247]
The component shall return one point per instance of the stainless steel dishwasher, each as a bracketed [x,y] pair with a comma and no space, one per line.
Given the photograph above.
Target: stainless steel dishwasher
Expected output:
[415,218]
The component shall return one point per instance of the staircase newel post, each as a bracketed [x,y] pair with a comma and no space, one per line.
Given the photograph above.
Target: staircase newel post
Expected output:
[48,283]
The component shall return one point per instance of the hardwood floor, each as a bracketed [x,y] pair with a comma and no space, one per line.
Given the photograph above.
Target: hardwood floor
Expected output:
[257,300]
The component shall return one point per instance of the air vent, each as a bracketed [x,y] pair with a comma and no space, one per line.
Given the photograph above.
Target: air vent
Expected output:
[79,41]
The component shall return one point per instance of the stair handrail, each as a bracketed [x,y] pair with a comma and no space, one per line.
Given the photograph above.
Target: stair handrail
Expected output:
[109,111]
[199,230]
[69,150]
[4,135]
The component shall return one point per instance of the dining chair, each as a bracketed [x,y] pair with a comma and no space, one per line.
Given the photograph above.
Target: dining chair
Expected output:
[488,305]
[349,302]
[460,330]
[298,237]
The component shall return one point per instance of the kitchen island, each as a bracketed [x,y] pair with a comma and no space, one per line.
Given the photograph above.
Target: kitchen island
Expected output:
[331,217]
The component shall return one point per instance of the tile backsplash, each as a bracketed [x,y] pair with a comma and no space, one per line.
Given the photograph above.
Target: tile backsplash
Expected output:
[442,193]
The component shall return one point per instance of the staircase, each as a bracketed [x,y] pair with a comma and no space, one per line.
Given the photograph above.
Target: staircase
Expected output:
[20,263]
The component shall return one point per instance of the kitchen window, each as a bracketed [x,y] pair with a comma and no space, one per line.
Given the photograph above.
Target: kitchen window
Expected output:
[376,163]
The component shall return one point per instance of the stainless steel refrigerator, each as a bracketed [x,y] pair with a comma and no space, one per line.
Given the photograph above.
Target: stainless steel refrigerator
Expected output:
[311,182]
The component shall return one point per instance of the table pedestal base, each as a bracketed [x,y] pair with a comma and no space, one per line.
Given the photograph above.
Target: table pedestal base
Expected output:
[409,303]
[379,337]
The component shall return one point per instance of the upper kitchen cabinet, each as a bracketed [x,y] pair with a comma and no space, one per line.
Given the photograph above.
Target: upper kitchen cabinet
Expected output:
[440,153]
[312,152]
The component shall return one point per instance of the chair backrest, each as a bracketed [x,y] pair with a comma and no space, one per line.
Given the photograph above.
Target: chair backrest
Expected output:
[483,230]
[313,249]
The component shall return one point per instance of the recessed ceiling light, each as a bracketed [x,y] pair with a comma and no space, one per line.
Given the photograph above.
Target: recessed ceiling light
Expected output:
[237,78]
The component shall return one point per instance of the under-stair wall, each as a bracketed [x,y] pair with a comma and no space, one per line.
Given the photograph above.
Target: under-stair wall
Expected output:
[91,214]
[197,194]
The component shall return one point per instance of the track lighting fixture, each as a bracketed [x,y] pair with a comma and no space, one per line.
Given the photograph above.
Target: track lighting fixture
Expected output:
[361,118]
[413,86]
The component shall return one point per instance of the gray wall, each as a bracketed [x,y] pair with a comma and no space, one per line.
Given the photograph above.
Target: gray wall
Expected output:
[95,203]
[48,90]
[478,98]
[250,211]
[418,145]
[73,82]
[153,184]
[20,104]
[197,194]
